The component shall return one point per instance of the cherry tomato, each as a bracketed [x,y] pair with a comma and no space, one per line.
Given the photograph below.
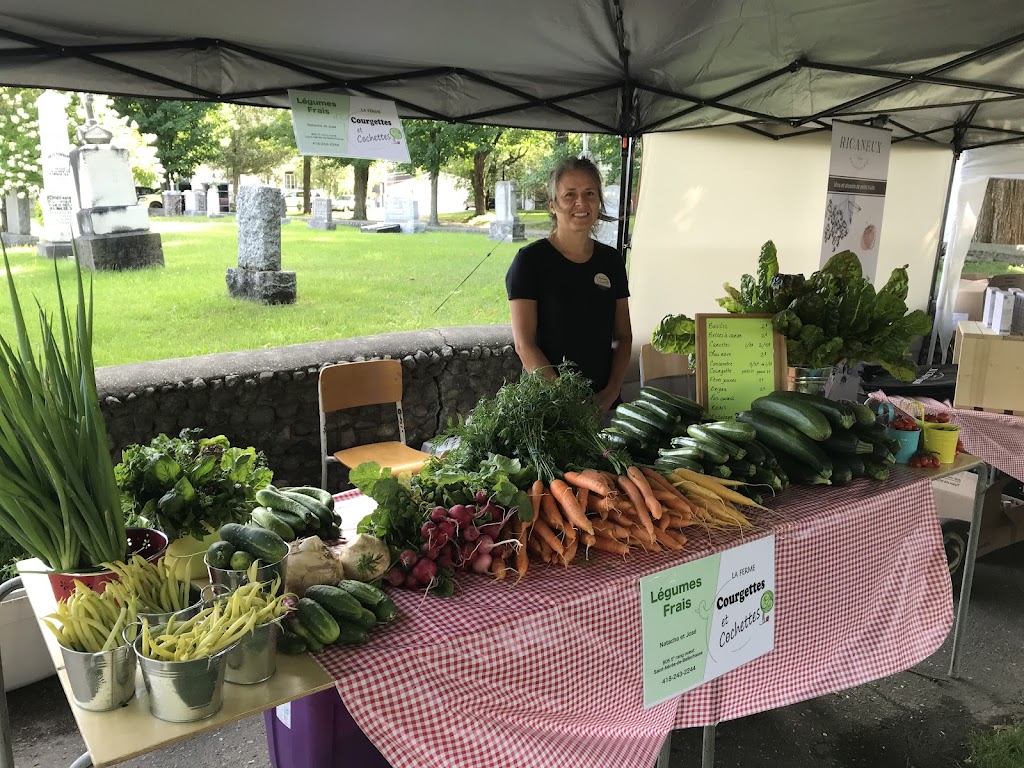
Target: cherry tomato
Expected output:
[942,418]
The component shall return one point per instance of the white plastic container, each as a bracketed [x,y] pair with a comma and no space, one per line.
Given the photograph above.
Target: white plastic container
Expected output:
[25,658]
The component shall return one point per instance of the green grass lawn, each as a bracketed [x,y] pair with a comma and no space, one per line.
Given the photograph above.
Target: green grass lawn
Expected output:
[991,268]
[998,748]
[349,284]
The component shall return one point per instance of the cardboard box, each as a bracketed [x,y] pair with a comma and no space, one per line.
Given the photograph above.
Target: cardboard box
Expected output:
[1002,517]
[990,369]
[1007,281]
[970,298]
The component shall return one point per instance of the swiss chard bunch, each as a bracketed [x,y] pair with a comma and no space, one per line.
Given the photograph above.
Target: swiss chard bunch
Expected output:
[190,486]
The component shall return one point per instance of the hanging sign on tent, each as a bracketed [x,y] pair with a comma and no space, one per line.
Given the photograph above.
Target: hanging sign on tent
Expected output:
[857,177]
[336,125]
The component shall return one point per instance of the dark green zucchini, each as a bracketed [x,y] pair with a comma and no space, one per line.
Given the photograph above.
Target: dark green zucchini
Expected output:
[691,452]
[702,434]
[839,415]
[785,439]
[846,443]
[864,416]
[765,476]
[801,416]
[713,451]
[741,469]
[732,430]
[645,418]
[684,404]
[667,466]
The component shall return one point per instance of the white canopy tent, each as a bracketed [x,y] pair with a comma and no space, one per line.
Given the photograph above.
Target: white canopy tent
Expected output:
[970,181]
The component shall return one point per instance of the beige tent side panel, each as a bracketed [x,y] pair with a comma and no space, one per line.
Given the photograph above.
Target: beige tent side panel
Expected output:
[709,199]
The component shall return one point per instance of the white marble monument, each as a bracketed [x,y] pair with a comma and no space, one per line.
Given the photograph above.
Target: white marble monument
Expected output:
[57,195]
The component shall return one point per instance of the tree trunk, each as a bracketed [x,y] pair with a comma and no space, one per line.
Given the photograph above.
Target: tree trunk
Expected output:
[561,138]
[362,181]
[479,179]
[1002,214]
[307,172]
[236,180]
[434,221]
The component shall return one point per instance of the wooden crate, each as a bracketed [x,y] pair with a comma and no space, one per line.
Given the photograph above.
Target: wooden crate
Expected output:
[990,373]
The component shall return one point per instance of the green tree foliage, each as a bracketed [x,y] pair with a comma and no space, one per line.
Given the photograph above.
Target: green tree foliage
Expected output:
[20,167]
[432,147]
[184,131]
[252,140]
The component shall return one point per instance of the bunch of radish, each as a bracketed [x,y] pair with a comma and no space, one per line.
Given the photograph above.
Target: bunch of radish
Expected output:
[466,537]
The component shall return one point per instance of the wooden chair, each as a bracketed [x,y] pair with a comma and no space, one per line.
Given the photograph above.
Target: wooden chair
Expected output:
[352,385]
[672,371]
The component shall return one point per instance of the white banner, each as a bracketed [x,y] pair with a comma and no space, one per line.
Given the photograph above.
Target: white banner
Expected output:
[856,193]
[335,125]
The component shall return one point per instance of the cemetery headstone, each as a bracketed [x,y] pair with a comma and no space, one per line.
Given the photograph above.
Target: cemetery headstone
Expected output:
[213,203]
[608,231]
[191,202]
[405,212]
[285,219]
[322,214]
[172,202]
[258,276]
[18,211]
[506,224]
[114,228]
[57,196]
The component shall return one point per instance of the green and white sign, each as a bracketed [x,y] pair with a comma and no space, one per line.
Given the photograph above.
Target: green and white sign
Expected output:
[705,618]
[336,125]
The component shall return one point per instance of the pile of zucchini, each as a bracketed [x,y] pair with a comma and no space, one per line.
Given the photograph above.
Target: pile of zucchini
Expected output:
[647,423]
[341,614]
[821,442]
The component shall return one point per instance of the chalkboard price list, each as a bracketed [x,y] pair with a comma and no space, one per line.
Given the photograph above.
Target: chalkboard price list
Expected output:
[740,363]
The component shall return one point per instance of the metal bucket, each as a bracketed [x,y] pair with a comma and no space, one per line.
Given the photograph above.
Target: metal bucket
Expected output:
[100,681]
[195,605]
[809,380]
[254,659]
[266,574]
[184,691]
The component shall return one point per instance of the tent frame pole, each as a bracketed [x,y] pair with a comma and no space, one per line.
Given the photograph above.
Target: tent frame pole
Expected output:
[625,194]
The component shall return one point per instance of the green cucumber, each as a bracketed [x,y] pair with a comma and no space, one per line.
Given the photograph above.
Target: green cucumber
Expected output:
[367,594]
[290,644]
[367,619]
[840,415]
[273,498]
[240,561]
[864,416]
[350,634]
[338,602]
[641,416]
[385,610]
[684,404]
[741,469]
[312,644]
[323,514]
[782,438]
[264,518]
[765,476]
[219,555]
[805,418]
[691,452]
[700,433]
[324,497]
[262,544]
[846,443]
[732,430]
[317,620]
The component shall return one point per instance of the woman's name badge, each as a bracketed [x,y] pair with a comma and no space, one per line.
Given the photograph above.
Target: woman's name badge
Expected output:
[602,280]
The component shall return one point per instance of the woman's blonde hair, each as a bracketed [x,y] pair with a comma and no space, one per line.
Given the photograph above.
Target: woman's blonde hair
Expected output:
[567,165]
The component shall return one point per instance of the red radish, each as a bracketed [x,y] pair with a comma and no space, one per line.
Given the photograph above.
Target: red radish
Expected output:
[498,551]
[447,528]
[481,497]
[482,563]
[457,512]
[485,544]
[425,571]
[408,558]
[395,577]
[444,560]
[439,515]
[441,539]
[431,554]
[411,581]
[472,533]
[427,530]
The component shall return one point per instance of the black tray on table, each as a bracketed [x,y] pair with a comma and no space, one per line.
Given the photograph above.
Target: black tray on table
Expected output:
[935,381]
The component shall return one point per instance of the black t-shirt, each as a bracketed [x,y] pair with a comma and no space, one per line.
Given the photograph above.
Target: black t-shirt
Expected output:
[575,303]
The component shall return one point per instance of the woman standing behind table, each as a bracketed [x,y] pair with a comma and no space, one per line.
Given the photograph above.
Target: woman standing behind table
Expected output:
[568,293]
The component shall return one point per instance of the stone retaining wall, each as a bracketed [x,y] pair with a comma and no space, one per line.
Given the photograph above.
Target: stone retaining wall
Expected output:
[1013,254]
[268,398]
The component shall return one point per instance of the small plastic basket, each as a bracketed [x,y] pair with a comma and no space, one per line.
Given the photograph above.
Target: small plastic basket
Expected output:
[941,439]
[908,441]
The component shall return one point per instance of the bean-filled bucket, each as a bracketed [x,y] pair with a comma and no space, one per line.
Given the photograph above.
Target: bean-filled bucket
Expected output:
[100,681]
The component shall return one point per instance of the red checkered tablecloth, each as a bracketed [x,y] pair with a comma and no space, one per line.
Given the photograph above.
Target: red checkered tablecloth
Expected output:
[548,671]
[995,437]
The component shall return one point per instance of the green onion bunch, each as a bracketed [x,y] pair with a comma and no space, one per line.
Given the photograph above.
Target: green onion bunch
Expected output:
[58,496]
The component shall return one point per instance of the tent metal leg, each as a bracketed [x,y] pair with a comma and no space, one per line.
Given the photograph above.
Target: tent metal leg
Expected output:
[960,626]
[84,761]
[665,757]
[940,259]
[707,753]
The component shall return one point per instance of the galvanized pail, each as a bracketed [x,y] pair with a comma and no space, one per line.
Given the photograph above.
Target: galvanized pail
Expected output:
[265,574]
[100,681]
[194,606]
[254,659]
[184,691]
[809,380]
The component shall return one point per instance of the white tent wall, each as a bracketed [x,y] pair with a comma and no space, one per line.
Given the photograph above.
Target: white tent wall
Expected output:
[709,199]
[975,168]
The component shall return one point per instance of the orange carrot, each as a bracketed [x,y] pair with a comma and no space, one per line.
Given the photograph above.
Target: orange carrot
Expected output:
[678,537]
[672,502]
[600,505]
[590,480]
[665,522]
[657,480]
[609,545]
[536,493]
[497,569]
[548,536]
[615,531]
[666,539]
[582,497]
[550,514]
[567,501]
[644,487]
[522,556]
[538,548]
[639,505]
[587,539]
[570,551]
